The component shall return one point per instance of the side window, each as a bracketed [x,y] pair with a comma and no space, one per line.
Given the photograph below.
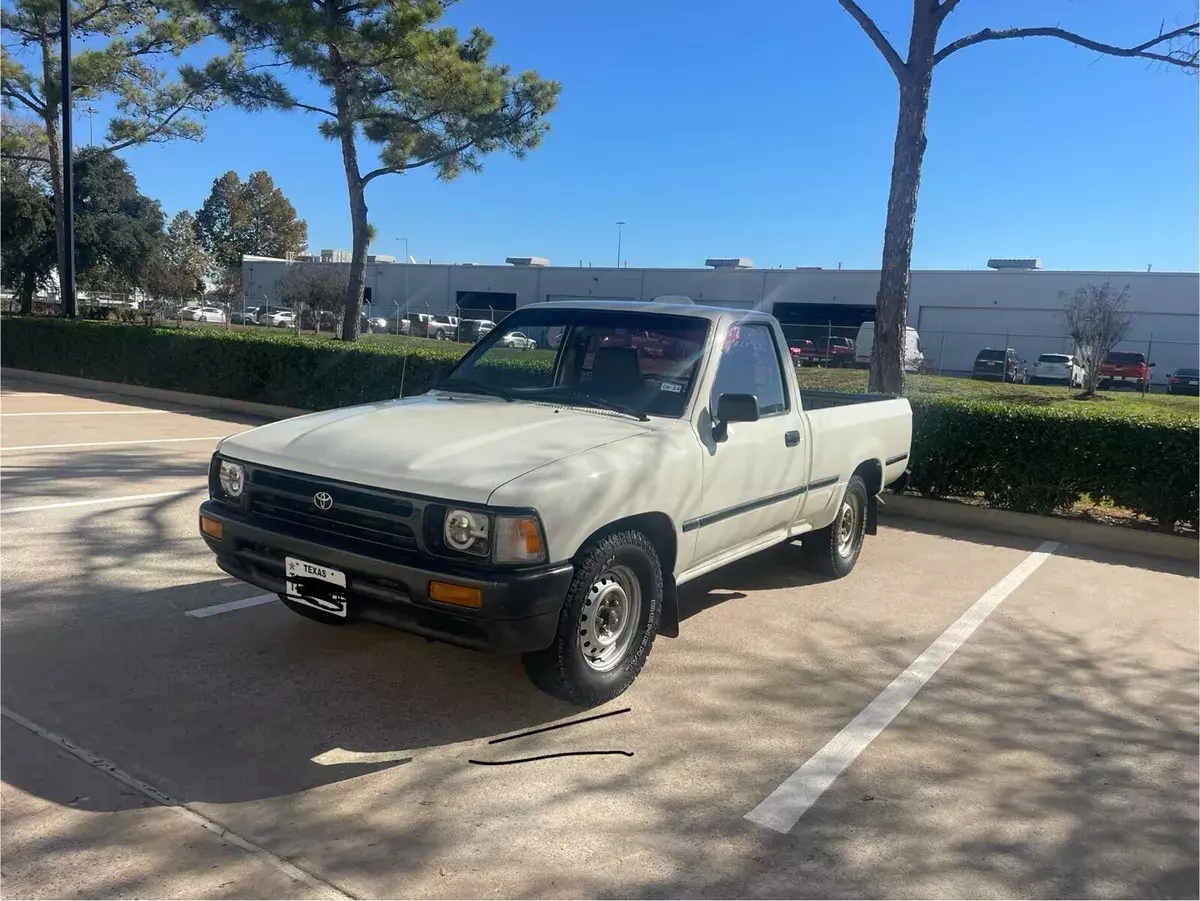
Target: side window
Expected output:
[750,365]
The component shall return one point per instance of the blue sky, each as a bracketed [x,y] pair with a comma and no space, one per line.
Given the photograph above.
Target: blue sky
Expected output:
[765,130]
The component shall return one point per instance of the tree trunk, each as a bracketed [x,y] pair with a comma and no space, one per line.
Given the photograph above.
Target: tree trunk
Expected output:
[54,149]
[891,304]
[358,258]
[358,202]
[28,286]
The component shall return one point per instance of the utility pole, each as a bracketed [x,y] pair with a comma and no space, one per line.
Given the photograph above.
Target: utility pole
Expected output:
[620,225]
[90,111]
[67,288]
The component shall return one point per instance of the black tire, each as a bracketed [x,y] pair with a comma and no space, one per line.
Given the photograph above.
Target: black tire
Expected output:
[563,670]
[440,335]
[318,616]
[830,551]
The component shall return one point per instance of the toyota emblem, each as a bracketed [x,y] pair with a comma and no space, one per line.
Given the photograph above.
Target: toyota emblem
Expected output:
[323,500]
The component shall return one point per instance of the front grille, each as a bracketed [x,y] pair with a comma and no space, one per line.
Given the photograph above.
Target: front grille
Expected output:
[285,502]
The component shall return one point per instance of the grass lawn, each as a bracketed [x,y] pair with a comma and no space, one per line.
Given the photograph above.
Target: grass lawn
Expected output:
[1039,395]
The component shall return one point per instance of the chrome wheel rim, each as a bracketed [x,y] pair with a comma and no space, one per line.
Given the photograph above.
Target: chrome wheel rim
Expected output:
[847,527]
[609,620]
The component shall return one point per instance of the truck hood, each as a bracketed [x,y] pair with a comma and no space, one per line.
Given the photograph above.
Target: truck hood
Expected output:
[453,447]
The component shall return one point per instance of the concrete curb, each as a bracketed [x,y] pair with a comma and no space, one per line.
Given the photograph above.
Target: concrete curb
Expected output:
[270,411]
[1051,528]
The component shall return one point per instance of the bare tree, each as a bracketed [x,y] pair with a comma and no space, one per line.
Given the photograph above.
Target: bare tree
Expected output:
[317,287]
[1176,47]
[1098,319]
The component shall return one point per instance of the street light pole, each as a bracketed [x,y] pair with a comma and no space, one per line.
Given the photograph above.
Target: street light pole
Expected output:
[620,225]
[67,288]
[406,259]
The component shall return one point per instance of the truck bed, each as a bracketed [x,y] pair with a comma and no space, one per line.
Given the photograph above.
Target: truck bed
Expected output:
[823,400]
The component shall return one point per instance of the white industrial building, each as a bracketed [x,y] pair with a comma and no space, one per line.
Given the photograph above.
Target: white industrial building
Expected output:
[1015,303]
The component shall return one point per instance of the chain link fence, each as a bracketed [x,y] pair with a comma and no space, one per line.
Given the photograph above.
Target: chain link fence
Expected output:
[953,353]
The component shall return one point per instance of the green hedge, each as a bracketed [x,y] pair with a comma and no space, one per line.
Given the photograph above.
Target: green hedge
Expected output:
[1037,459]
[268,367]
[1043,459]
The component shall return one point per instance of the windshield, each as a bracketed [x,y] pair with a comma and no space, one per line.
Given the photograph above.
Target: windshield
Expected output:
[639,363]
[1054,358]
[1119,356]
[990,355]
[1188,373]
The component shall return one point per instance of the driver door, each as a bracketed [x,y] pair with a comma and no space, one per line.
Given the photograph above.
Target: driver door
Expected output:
[753,481]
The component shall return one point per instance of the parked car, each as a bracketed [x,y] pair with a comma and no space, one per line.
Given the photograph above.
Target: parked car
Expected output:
[830,351]
[633,474]
[377,323]
[517,339]
[278,319]
[1122,367]
[485,326]
[1058,368]
[1002,365]
[443,327]
[209,314]
[914,355]
[1185,380]
[799,348]
[248,316]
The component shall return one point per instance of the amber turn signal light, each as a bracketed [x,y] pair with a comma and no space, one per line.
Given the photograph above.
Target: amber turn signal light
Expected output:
[461,595]
[211,527]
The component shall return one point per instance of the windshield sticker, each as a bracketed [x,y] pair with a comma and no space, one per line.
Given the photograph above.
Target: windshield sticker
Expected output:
[673,387]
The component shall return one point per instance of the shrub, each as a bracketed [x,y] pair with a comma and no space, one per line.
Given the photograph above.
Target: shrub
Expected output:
[268,367]
[1039,459]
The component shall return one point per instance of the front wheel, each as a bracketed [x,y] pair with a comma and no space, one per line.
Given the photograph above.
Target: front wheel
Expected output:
[607,625]
[833,550]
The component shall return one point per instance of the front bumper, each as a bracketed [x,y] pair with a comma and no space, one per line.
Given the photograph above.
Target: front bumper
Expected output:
[519,612]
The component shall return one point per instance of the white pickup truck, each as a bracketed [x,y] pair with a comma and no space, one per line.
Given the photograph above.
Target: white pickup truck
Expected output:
[551,502]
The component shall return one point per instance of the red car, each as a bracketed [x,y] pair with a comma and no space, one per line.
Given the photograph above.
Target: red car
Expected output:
[800,349]
[1125,368]
[829,351]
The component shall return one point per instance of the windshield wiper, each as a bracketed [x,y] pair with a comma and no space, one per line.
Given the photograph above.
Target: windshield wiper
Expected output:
[470,385]
[587,400]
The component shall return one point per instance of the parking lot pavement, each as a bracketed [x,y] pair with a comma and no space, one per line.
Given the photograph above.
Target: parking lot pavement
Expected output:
[1054,754]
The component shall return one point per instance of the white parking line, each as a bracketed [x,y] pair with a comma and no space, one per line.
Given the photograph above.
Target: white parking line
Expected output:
[783,807]
[28,447]
[99,413]
[324,889]
[102,500]
[230,606]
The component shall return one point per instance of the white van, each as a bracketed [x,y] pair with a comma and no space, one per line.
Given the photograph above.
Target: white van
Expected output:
[913,355]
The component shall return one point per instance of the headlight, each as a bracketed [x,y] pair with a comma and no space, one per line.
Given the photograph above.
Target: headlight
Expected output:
[518,539]
[467,532]
[233,478]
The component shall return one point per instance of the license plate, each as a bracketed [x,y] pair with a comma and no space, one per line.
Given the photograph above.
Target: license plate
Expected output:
[1194,381]
[315,585]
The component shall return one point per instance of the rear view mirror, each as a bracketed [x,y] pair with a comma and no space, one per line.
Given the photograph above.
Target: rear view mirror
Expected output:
[737,408]
[733,408]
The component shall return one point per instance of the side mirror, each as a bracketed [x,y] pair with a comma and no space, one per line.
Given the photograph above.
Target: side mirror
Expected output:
[733,408]
[1152,365]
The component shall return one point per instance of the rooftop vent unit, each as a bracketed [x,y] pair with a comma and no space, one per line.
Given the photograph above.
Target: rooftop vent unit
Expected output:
[1034,263]
[730,263]
[527,261]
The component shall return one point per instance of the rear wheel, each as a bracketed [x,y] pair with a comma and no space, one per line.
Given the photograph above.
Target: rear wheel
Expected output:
[607,625]
[833,551]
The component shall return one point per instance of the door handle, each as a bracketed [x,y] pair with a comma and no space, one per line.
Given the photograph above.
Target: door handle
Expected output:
[792,438]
